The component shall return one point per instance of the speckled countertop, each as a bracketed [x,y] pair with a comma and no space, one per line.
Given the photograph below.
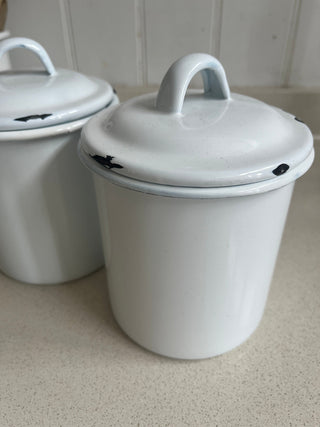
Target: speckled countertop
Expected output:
[64,361]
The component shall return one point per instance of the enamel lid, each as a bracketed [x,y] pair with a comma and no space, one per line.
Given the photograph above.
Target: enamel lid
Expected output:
[34,99]
[200,139]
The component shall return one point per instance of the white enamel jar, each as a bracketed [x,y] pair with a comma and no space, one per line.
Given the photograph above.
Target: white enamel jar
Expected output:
[49,230]
[192,202]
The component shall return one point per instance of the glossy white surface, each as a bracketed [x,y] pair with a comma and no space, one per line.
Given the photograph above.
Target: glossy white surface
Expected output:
[302,103]
[189,278]
[208,139]
[176,81]
[33,46]
[33,99]
[196,192]
[189,274]
[48,219]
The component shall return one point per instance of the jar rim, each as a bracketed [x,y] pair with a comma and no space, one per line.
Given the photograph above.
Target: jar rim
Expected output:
[196,192]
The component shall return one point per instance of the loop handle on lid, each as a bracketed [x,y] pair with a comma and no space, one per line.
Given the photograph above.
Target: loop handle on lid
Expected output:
[176,81]
[22,42]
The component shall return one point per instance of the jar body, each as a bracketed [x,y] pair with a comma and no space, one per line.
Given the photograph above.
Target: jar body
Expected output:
[189,278]
[48,217]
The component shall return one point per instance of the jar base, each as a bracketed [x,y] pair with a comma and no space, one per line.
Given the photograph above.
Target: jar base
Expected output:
[195,355]
[51,281]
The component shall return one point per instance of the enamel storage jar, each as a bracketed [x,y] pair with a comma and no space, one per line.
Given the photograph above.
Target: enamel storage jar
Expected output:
[193,192]
[49,230]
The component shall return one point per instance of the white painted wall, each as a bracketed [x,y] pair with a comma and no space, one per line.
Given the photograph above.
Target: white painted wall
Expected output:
[133,42]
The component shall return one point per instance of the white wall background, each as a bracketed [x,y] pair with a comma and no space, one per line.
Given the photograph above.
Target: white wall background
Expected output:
[133,42]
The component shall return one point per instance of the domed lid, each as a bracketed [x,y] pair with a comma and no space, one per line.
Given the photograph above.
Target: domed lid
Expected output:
[209,139]
[34,99]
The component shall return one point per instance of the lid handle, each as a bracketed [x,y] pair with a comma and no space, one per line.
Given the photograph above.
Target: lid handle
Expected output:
[176,81]
[17,42]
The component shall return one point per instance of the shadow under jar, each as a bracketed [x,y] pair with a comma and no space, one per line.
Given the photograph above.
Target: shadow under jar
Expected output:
[49,230]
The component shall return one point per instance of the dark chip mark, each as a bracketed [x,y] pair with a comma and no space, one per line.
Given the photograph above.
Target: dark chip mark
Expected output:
[299,120]
[107,162]
[32,117]
[114,91]
[281,169]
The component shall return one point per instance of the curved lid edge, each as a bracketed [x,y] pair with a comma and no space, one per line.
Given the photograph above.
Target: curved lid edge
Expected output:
[129,161]
[36,99]
[195,192]
[42,132]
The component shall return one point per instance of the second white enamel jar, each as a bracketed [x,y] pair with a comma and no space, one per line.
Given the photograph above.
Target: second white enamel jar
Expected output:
[49,230]
[193,192]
